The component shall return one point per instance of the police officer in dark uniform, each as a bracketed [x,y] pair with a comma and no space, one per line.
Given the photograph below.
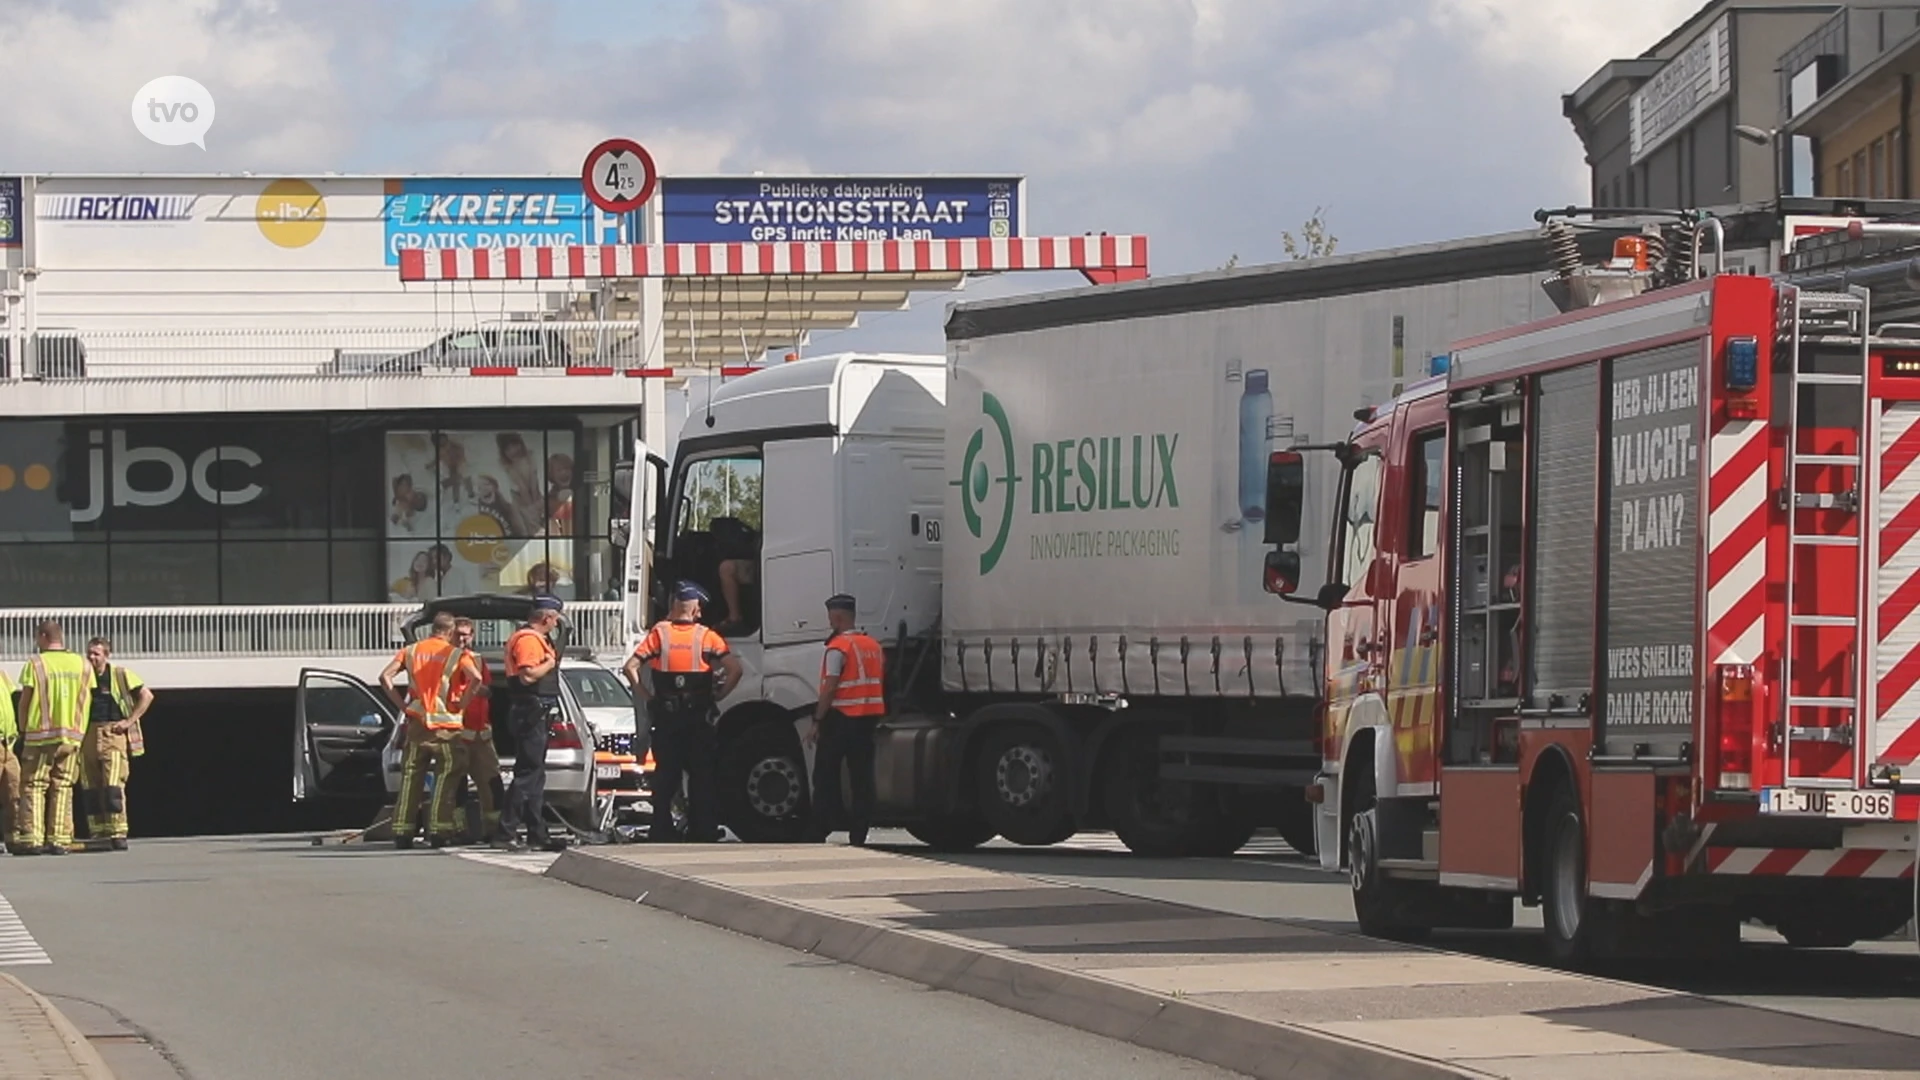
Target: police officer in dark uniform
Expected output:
[532,694]
[683,658]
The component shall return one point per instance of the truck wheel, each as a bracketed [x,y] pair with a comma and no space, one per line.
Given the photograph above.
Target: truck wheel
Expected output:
[1155,818]
[1377,899]
[1295,824]
[1572,918]
[1023,786]
[951,834]
[1225,836]
[1843,925]
[763,786]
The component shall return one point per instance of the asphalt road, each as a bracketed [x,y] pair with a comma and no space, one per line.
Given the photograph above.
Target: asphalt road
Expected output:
[241,958]
[1873,984]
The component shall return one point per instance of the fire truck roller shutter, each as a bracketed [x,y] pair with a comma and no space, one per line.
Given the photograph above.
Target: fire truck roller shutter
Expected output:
[1562,595]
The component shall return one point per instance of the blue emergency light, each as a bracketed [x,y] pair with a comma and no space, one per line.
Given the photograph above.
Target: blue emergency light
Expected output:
[1742,364]
[1439,365]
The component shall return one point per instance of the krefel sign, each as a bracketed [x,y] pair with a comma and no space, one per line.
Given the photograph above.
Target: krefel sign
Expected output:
[1691,83]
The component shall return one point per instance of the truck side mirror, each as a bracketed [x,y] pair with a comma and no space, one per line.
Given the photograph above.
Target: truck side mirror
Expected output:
[1283,572]
[1286,497]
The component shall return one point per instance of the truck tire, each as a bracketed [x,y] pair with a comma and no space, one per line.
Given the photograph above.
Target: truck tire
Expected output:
[1225,836]
[1572,918]
[951,834]
[763,786]
[1378,900]
[1154,818]
[1842,925]
[1023,782]
[1295,824]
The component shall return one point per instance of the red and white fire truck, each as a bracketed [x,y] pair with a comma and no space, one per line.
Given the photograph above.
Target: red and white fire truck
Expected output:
[1624,619]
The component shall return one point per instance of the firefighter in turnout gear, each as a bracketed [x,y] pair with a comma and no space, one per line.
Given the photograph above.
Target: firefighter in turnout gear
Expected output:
[433,725]
[852,700]
[681,657]
[9,761]
[113,740]
[474,755]
[56,687]
[532,694]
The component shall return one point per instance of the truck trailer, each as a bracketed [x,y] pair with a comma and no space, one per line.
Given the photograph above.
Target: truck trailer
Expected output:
[1621,619]
[1056,531]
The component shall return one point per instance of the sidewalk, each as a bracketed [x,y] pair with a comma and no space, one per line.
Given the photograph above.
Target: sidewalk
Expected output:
[1263,997]
[38,1043]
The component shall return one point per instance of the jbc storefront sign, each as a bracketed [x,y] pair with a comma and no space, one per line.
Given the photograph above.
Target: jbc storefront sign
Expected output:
[168,476]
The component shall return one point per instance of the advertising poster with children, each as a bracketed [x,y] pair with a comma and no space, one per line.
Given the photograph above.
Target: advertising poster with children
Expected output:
[479,512]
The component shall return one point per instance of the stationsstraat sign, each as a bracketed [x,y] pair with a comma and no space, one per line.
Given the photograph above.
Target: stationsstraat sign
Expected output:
[775,209]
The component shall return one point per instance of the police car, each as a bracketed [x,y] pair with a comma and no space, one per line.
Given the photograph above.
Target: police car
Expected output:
[345,729]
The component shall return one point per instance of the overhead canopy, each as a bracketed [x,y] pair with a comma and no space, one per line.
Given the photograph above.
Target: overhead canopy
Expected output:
[726,299]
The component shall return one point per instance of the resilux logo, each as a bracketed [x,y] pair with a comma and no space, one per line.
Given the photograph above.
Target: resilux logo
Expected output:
[978,479]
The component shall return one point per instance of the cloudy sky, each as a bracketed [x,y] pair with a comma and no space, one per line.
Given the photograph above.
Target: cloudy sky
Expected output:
[1209,125]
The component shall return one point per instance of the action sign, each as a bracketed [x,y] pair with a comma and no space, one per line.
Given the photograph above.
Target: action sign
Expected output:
[619,176]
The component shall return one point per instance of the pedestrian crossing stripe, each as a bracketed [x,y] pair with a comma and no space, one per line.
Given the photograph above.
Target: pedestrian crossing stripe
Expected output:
[17,946]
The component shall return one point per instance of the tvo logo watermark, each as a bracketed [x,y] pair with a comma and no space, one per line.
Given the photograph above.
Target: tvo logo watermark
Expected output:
[173,110]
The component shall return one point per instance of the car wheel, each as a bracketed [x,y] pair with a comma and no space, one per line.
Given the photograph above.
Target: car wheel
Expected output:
[1023,786]
[763,786]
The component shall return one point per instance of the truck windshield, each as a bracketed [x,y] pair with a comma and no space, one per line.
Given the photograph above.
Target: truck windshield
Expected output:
[1357,539]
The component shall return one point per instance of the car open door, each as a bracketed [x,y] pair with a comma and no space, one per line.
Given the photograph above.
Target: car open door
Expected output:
[340,728]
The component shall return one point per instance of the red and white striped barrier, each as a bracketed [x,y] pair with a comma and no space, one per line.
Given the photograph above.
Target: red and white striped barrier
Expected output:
[1818,862]
[1103,259]
[731,372]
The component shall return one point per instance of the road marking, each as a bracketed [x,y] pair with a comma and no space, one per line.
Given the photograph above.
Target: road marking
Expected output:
[529,862]
[17,946]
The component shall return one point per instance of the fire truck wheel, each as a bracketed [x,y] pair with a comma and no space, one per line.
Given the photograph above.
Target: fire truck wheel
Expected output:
[1378,900]
[1570,916]
[1155,818]
[951,834]
[1023,786]
[1842,926]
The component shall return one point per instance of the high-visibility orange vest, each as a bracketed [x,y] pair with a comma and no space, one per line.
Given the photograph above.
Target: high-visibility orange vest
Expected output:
[862,687]
[476,712]
[682,647]
[430,665]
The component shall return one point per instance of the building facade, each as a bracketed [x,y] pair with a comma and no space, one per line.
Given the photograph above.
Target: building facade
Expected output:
[1850,100]
[1700,118]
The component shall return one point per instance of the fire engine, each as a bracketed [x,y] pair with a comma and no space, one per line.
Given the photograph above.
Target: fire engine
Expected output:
[1623,617]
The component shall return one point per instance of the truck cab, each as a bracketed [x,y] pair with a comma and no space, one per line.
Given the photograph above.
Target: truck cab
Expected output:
[816,477]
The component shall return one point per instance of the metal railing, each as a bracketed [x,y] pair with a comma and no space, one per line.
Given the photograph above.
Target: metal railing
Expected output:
[320,350]
[181,633]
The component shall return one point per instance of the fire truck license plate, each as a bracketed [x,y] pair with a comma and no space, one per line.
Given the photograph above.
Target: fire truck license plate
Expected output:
[1859,805]
[606,772]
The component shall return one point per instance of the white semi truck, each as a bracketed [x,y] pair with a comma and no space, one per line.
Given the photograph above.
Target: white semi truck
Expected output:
[1058,533]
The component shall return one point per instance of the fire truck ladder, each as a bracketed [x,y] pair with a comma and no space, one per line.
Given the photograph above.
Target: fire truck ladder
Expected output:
[1825,328]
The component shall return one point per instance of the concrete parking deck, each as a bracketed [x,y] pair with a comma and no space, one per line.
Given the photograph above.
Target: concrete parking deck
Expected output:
[1265,997]
[37,1042]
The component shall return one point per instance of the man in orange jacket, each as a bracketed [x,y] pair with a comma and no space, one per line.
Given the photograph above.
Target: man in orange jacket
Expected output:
[474,754]
[852,701]
[433,725]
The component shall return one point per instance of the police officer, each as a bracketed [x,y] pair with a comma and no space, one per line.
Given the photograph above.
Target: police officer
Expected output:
[433,724]
[852,700]
[532,693]
[682,695]
[113,740]
[55,689]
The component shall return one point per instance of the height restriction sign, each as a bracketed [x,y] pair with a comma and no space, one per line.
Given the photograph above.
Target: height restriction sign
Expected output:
[619,176]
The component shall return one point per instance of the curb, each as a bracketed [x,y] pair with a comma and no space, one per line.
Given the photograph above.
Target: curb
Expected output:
[1270,1050]
[85,1056]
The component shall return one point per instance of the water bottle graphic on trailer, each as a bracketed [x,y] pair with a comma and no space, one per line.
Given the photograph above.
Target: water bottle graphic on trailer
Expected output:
[1256,411]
